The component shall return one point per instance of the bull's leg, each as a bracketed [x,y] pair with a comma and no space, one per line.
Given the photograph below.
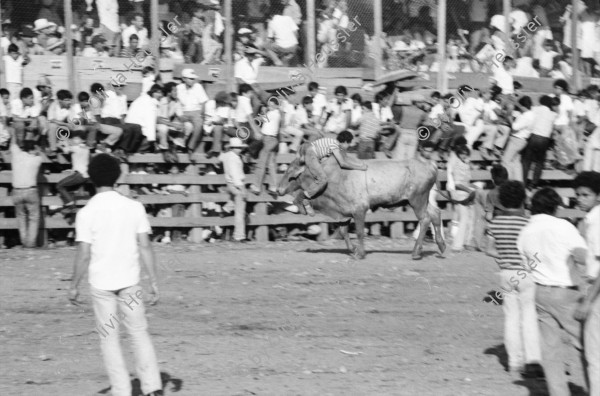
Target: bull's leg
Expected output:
[346,236]
[420,205]
[436,219]
[359,222]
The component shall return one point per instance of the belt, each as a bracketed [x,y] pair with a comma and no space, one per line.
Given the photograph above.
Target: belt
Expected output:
[560,287]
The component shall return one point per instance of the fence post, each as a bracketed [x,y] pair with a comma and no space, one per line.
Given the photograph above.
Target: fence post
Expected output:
[155,38]
[195,211]
[262,232]
[311,47]
[2,76]
[377,37]
[69,36]
[576,78]
[229,45]
[3,193]
[442,82]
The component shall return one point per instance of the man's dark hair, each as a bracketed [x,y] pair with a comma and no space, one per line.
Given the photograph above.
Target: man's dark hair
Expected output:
[313,86]
[356,97]
[562,84]
[64,94]
[428,144]
[545,201]
[97,89]
[436,95]
[134,37]
[368,105]
[243,88]
[307,100]
[168,88]
[83,96]
[345,137]
[340,89]
[25,93]
[526,102]
[104,170]
[13,48]
[546,100]
[463,149]
[4,91]
[155,88]
[459,141]
[512,194]
[588,179]
[499,174]
[517,85]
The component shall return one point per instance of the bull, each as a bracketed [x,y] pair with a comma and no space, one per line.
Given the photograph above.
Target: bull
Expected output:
[386,184]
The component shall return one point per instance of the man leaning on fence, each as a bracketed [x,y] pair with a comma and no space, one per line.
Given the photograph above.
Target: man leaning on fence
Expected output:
[233,168]
[26,162]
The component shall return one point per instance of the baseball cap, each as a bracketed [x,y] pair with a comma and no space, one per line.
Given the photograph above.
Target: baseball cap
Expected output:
[188,73]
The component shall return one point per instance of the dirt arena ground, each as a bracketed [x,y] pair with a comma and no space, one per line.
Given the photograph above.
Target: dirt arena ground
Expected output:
[284,318]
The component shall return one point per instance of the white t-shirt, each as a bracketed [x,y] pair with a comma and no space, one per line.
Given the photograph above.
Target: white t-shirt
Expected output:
[566,106]
[489,112]
[193,98]
[13,69]
[247,70]
[212,114]
[592,237]
[55,112]
[504,80]
[108,13]
[115,106]
[142,35]
[243,111]
[319,103]
[111,223]
[283,30]
[144,112]
[18,110]
[470,110]
[523,125]
[270,126]
[547,59]
[337,120]
[548,242]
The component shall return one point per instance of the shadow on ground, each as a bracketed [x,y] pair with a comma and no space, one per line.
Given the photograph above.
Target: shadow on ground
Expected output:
[168,383]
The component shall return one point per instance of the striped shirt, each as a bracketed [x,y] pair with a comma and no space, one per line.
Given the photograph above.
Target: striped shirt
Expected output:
[369,126]
[505,229]
[324,147]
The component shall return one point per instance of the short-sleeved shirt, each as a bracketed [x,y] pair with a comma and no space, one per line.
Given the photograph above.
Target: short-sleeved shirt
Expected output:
[369,126]
[324,147]
[243,111]
[18,110]
[337,120]
[548,242]
[270,126]
[505,230]
[58,113]
[283,30]
[115,106]
[111,222]
[25,167]
[193,98]
[13,69]
[592,237]
[233,168]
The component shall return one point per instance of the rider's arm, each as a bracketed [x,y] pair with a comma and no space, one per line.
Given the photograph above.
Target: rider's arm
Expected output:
[345,163]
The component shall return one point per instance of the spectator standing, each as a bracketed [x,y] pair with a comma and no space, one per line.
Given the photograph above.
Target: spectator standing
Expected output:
[5,113]
[137,28]
[521,333]
[108,13]
[113,234]
[246,126]
[233,167]
[268,153]
[552,244]
[13,68]
[292,9]
[522,127]
[459,179]
[587,189]
[192,97]
[539,140]
[26,164]
[368,132]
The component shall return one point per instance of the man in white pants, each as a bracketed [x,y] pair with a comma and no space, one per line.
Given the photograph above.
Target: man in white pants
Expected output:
[112,232]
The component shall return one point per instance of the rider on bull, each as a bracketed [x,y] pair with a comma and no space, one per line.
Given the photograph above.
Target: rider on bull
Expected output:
[312,154]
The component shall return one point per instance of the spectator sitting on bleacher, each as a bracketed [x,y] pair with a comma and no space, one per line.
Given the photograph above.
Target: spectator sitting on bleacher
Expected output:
[283,36]
[307,121]
[149,78]
[144,112]
[84,120]
[193,98]
[80,159]
[218,119]
[5,113]
[25,117]
[97,48]
[27,45]
[244,123]
[368,132]
[338,112]
[292,127]
[268,153]
[233,167]
[319,101]
[356,111]
[112,111]
[132,47]
[137,28]
[60,113]
[170,114]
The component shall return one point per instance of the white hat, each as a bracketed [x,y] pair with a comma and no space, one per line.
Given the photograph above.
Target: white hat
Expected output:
[236,142]
[43,23]
[188,73]
[499,22]
[244,31]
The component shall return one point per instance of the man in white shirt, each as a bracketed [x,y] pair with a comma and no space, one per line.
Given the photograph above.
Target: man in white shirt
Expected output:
[339,112]
[268,153]
[471,114]
[553,247]
[283,36]
[59,114]
[97,50]
[502,75]
[144,112]
[113,235]
[192,97]
[137,28]
[13,69]
[108,13]
[246,67]
[233,167]
[319,100]
[25,116]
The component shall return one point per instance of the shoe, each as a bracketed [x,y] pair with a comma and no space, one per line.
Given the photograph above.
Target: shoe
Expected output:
[308,207]
[533,370]
[166,240]
[272,193]
[244,240]
[255,190]
[156,393]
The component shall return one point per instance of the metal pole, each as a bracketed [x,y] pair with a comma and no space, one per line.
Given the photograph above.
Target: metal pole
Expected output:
[155,39]
[311,43]
[69,37]
[576,78]
[507,26]
[229,45]
[2,79]
[378,34]
[442,83]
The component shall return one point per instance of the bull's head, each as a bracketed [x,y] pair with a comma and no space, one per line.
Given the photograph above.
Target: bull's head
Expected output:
[289,182]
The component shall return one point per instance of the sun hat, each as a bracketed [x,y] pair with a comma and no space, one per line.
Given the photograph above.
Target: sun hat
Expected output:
[188,73]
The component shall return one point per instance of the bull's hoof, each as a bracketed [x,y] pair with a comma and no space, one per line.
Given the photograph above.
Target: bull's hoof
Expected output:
[417,256]
[358,255]
[441,245]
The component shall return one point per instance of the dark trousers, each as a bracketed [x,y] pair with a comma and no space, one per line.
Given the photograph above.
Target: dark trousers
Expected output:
[218,131]
[70,182]
[534,156]
[366,149]
[131,139]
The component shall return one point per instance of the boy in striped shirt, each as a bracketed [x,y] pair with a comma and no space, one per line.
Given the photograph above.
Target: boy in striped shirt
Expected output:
[368,132]
[521,334]
[313,154]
